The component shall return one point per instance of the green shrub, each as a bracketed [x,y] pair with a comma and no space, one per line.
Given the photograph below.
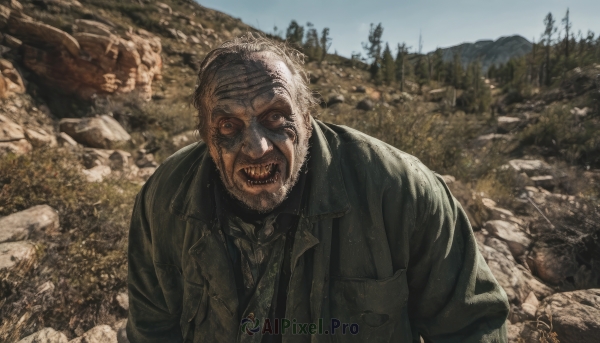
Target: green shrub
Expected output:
[566,135]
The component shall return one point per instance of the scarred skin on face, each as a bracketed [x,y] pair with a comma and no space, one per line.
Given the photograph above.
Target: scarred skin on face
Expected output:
[256,135]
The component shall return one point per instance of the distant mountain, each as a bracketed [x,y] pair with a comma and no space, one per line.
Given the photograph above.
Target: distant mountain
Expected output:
[489,52]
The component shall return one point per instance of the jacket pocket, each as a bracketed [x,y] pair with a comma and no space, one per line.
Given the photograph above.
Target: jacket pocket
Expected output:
[194,308]
[378,307]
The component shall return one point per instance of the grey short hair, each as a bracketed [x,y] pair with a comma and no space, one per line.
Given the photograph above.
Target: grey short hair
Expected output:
[240,48]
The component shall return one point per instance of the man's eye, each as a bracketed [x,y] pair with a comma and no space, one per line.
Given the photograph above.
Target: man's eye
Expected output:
[275,118]
[227,127]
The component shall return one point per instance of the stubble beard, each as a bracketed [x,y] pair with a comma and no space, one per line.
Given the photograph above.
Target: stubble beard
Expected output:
[265,202]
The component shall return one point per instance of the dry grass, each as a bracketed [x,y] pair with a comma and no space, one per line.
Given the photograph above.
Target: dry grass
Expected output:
[86,260]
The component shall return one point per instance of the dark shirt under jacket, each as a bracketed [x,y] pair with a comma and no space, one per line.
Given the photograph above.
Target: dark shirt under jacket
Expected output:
[260,245]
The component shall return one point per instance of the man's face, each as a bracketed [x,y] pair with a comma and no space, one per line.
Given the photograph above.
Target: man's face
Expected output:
[256,135]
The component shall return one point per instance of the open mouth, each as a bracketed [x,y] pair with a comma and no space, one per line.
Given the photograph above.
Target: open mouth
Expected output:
[262,174]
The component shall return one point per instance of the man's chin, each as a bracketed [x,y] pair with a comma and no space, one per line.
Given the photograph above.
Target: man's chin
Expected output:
[262,202]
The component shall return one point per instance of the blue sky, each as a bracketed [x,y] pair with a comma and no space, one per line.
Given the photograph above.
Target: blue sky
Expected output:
[442,23]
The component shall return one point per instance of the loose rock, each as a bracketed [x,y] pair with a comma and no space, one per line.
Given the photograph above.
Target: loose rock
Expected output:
[575,315]
[518,241]
[40,138]
[365,105]
[97,173]
[335,99]
[99,334]
[46,335]
[530,167]
[97,132]
[13,252]
[507,124]
[123,300]
[553,263]
[65,140]
[12,138]
[18,226]
[514,278]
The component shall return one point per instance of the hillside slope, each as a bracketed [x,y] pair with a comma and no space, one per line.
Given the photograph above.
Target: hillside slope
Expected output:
[489,52]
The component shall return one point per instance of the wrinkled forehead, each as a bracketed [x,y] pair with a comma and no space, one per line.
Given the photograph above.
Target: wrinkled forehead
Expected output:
[258,74]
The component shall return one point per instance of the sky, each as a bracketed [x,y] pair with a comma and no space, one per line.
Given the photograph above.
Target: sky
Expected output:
[441,23]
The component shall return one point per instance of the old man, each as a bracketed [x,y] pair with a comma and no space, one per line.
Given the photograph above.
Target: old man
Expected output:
[280,228]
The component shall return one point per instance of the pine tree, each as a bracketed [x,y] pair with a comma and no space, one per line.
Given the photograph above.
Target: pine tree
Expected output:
[311,43]
[421,71]
[438,65]
[325,43]
[567,23]
[373,48]
[548,33]
[402,52]
[295,33]
[388,66]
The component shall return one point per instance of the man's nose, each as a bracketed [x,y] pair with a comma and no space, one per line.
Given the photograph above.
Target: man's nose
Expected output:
[256,144]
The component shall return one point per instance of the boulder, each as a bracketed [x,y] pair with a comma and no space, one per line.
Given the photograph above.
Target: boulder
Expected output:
[98,334]
[574,316]
[553,262]
[365,105]
[359,89]
[164,7]
[12,83]
[507,124]
[46,335]
[492,137]
[529,167]
[120,160]
[39,33]
[146,172]
[40,138]
[544,181]
[498,213]
[517,240]
[96,157]
[12,138]
[13,252]
[91,26]
[581,112]
[514,278]
[530,305]
[12,42]
[65,140]
[335,99]
[123,300]
[9,130]
[97,132]
[18,226]
[4,16]
[92,61]
[97,173]
[145,160]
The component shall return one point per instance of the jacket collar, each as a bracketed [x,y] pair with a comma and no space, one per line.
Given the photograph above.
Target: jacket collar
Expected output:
[327,195]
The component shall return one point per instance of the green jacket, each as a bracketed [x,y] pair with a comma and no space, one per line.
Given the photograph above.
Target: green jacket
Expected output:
[381,243]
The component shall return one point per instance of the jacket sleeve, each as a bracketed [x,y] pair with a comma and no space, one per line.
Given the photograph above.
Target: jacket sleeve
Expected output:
[149,317]
[453,296]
